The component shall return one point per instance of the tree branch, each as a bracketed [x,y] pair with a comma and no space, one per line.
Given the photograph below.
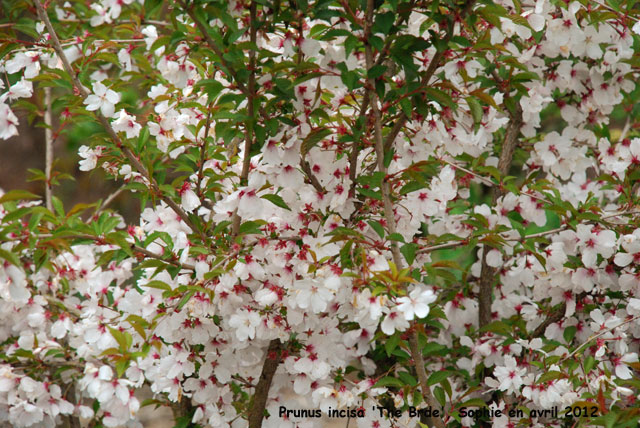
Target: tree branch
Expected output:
[595,336]
[102,240]
[181,409]
[428,74]
[203,152]
[555,316]
[48,137]
[306,168]
[416,354]
[123,21]
[250,93]
[109,199]
[214,46]
[261,394]
[55,41]
[382,56]
[487,273]
[355,147]
[447,245]
[385,188]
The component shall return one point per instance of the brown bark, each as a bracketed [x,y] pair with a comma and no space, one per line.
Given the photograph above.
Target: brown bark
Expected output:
[271,362]
[488,274]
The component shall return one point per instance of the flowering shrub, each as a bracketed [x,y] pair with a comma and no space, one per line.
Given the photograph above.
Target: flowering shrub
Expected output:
[375,204]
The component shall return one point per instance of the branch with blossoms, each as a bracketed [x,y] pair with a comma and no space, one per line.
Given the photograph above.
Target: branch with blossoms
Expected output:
[388,209]
[487,273]
[109,98]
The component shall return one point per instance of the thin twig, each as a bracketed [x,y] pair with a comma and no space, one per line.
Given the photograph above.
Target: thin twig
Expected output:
[110,199]
[203,151]
[153,255]
[306,168]
[454,244]
[48,137]
[214,46]
[101,240]
[355,147]
[599,334]
[487,182]
[123,21]
[426,77]
[625,130]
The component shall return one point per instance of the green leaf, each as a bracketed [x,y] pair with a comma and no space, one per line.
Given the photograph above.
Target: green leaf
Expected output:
[185,299]
[608,420]
[183,422]
[220,227]
[376,71]
[440,97]
[344,231]
[551,375]
[526,76]
[375,225]
[123,338]
[57,205]
[569,333]
[211,86]
[497,327]
[159,285]
[34,221]
[396,237]
[150,6]
[439,394]
[249,228]
[432,347]
[447,387]
[313,138]
[589,363]
[389,381]
[476,110]
[17,195]
[388,157]
[473,402]
[407,107]
[407,378]
[10,257]
[438,377]
[384,22]
[370,193]
[411,186]
[138,323]
[349,78]
[409,252]
[391,344]
[121,366]
[276,200]
[615,4]
[16,214]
